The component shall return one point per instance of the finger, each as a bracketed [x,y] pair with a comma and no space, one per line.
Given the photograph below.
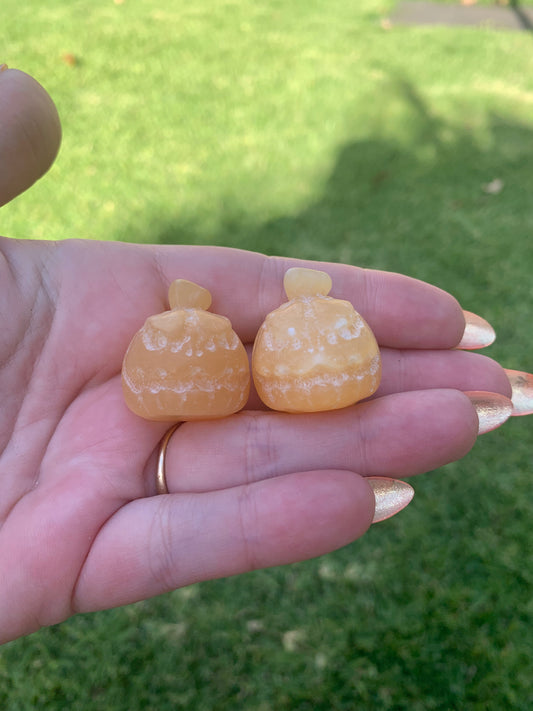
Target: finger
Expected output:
[405,370]
[30,133]
[398,435]
[158,544]
[403,312]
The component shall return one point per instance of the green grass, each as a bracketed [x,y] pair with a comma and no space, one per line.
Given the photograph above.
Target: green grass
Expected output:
[306,129]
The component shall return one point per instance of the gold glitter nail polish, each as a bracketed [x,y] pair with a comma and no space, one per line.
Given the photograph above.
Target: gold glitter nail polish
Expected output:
[492,409]
[391,496]
[478,333]
[522,398]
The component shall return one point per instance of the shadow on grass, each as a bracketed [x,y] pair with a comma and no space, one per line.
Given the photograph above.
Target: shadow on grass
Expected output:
[440,205]
[522,16]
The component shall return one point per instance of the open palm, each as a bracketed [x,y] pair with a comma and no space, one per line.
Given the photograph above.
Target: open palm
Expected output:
[81,526]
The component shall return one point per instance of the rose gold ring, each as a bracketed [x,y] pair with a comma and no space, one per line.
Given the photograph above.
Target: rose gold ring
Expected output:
[161,479]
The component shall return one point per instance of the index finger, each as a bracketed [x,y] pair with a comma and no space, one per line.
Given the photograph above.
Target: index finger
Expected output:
[403,312]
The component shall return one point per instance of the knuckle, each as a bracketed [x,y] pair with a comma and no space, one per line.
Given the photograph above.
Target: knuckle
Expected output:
[260,451]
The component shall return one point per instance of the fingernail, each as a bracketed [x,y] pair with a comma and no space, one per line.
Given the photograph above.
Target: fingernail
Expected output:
[3,67]
[522,397]
[492,409]
[478,333]
[391,496]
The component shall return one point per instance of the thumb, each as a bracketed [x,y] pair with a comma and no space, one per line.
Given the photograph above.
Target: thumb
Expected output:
[30,132]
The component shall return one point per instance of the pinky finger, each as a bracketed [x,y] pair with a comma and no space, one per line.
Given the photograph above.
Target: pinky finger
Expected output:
[158,544]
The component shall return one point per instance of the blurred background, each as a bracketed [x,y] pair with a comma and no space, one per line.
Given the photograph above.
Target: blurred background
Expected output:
[316,129]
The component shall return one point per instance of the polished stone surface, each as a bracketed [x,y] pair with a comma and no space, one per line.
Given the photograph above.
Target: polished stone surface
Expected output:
[314,353]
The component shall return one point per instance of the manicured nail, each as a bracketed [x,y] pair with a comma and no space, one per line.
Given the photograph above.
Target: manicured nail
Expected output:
[492,409]
[391,496]
[522,397]
[3,67]
[478,333]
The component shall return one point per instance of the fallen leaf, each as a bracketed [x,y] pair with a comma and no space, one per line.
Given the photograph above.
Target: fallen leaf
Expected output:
[494,187]
[69,59]
[293,640]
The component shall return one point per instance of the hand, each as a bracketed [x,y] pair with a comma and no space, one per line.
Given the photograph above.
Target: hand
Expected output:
[81,526]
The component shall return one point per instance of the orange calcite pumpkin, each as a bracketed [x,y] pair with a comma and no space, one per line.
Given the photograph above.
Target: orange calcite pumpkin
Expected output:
[186,363]
[314,353]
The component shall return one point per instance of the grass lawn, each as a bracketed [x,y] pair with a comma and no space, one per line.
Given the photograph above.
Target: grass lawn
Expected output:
[305,128]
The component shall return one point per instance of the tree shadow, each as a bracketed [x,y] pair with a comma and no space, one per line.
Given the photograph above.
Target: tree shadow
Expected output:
[441,205]
[522,16]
